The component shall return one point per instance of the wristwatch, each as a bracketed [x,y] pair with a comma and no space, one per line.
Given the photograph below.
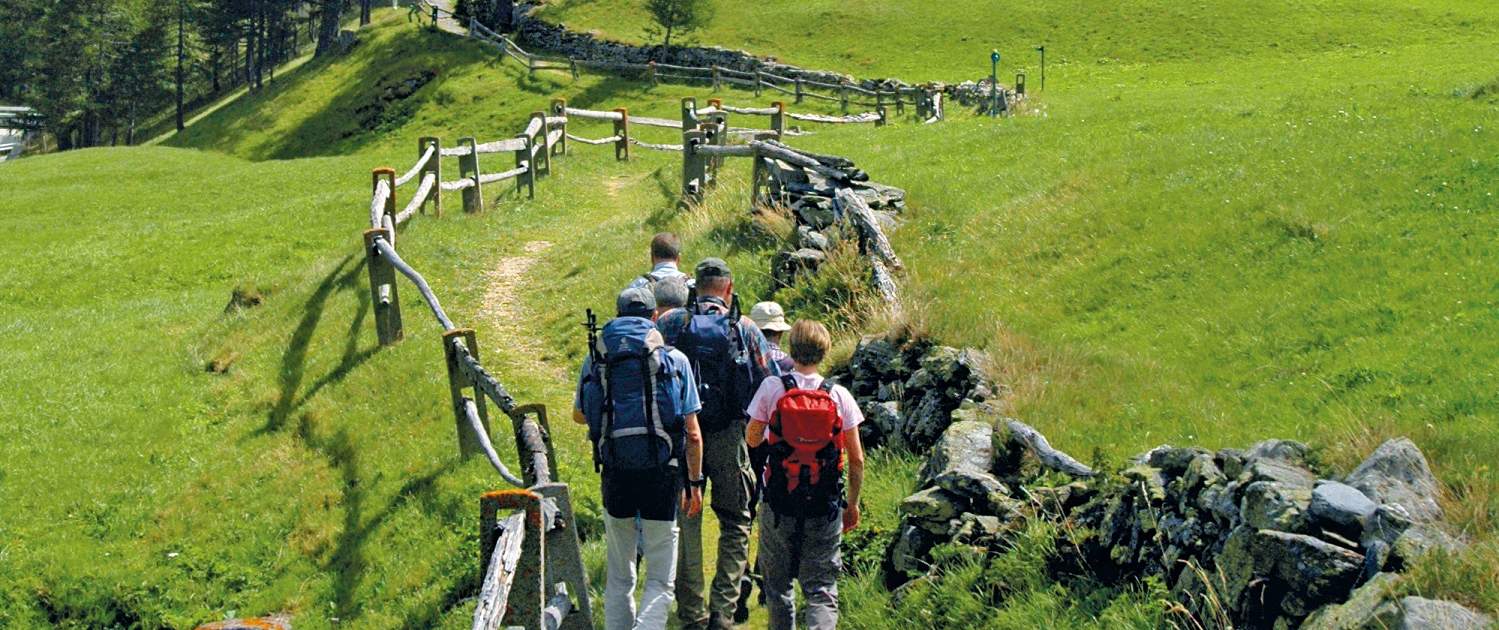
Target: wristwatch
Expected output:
[700,482]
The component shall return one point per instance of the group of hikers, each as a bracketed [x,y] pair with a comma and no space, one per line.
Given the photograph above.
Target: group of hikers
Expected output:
[684,396]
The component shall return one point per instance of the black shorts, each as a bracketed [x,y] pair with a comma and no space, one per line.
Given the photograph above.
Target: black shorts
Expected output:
[650,495]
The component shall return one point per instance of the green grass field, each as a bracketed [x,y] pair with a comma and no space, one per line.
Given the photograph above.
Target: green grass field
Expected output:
[1223,223]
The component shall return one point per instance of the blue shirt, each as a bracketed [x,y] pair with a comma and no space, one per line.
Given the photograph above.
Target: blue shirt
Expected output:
[662,271]
[672,323]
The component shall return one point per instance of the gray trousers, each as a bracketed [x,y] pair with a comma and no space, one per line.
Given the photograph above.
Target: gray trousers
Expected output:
[726,465]
[820,564]
[657,540]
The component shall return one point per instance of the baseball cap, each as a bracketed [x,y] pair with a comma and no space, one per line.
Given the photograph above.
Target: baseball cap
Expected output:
[769,316]
[635,302]
[712,268]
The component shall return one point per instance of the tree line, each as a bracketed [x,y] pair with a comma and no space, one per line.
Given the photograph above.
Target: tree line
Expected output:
[99,71]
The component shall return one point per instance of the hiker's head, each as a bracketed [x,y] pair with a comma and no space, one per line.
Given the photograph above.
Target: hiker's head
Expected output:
[714,279]
[770,318]
[808,342]
[666,247]
[635,302]
[670,293]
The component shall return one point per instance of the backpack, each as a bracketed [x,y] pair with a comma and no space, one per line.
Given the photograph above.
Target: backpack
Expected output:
[715,347]
[633,420]
[806,452]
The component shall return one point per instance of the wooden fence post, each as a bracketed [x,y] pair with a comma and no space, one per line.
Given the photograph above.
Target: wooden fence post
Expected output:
[689,112]
[387,300]
[389,174]
[622,129]
[572,64]
[798,90]
[757,180]
[468,168]
[433,167]
[778,119]
[900,103]
[458,381]
[843,97]
[879,99]
[881,111]
[531,67]
[654,80]
[546,143]
[715,78]
[693,167]
[757,81]
[523,158]
[559,109]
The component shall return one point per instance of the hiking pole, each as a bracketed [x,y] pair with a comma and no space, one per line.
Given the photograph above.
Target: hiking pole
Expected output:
[592,324]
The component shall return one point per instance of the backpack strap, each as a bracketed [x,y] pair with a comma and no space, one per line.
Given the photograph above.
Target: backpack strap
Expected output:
[789,382]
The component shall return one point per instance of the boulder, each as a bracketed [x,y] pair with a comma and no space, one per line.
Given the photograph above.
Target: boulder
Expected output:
[881,420]
[875,361]
[792,266]
[907,555]
[933,505]
[965,447]
[1419,613]
[1268,574]
[1420,540]
[1341,508]
[1397,474]
[880,196]
[925,420]
[815,212]
[808,238]
[1361,608]
[1274,505]
[1285,451]
[1171,460]
[976,528]
[1277,471]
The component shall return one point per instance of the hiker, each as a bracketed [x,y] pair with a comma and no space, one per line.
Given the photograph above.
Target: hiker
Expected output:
[640,402]
[770,318]
[670,293]
[729,357]
[666,258]
[809,424]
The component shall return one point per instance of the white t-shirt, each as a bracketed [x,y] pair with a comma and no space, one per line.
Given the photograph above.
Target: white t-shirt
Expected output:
[763,405]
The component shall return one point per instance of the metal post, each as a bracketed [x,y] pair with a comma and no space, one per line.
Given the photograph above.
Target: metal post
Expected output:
[559,109]
[387,300]
[994,83]
[622,129]
[778,119]
[458,382]
[468,168]
[1042,50]
[433,167]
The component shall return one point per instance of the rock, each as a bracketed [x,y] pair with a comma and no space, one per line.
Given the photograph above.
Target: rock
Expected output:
[815,212]
[906,556]
[1171,460]
[1397,474]
[1387,524]
[1420,540]
[881,420]
[808,238]
[880,196]
[1419,613]
[876,361]
[1360,609]
[792,266]
[924,421]
[1230,461]
[1274,505]
[934,505]
[1341,508]
[1059,500]
[1267,574]
[1149,480]
[1286,451]
[1201,473]
[1277,471]
[244,296]
[965,447]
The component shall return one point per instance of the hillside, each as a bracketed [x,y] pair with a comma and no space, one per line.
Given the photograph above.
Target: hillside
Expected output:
[1243,221]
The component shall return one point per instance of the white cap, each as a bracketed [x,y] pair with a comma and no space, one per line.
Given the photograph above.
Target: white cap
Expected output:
[769,316]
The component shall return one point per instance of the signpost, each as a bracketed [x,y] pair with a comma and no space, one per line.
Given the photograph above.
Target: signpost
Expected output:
[994,83]
[1042,50]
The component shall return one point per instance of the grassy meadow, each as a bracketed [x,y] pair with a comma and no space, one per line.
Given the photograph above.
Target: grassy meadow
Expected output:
[1219,223]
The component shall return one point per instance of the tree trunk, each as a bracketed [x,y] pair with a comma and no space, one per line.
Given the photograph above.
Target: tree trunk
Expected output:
[327,38]
[364,12]
[181,18]
[215,60]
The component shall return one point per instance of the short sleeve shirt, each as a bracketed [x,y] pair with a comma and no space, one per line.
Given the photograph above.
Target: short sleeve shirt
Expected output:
[763,405]
[662,271]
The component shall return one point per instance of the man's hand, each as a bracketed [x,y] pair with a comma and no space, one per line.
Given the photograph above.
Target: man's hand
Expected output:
[692,501]
[850,517]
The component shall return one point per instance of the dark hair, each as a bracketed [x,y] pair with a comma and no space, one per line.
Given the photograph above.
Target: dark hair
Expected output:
[808,342]
[666,246]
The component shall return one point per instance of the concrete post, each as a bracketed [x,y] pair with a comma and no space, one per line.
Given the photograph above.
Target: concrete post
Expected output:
[387,300]
[757,81]
[434,167]
[458,382]
[693,167]
[689,112]
[564,558]
[622,129]
[468,168]
[798,90]
[654,80]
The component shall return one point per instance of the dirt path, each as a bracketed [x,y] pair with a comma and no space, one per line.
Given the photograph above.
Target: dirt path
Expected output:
[446,21]
[502,312]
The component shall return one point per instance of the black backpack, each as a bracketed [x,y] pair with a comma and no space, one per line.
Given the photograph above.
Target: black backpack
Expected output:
[715,347]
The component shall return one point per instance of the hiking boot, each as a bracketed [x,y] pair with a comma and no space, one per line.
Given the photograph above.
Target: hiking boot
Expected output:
[718,623]
[741,613]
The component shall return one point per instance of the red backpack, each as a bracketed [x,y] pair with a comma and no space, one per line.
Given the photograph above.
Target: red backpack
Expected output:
[806,452]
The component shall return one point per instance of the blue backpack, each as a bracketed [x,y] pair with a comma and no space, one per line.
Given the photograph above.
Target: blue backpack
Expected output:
[633,419]
[719,360]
